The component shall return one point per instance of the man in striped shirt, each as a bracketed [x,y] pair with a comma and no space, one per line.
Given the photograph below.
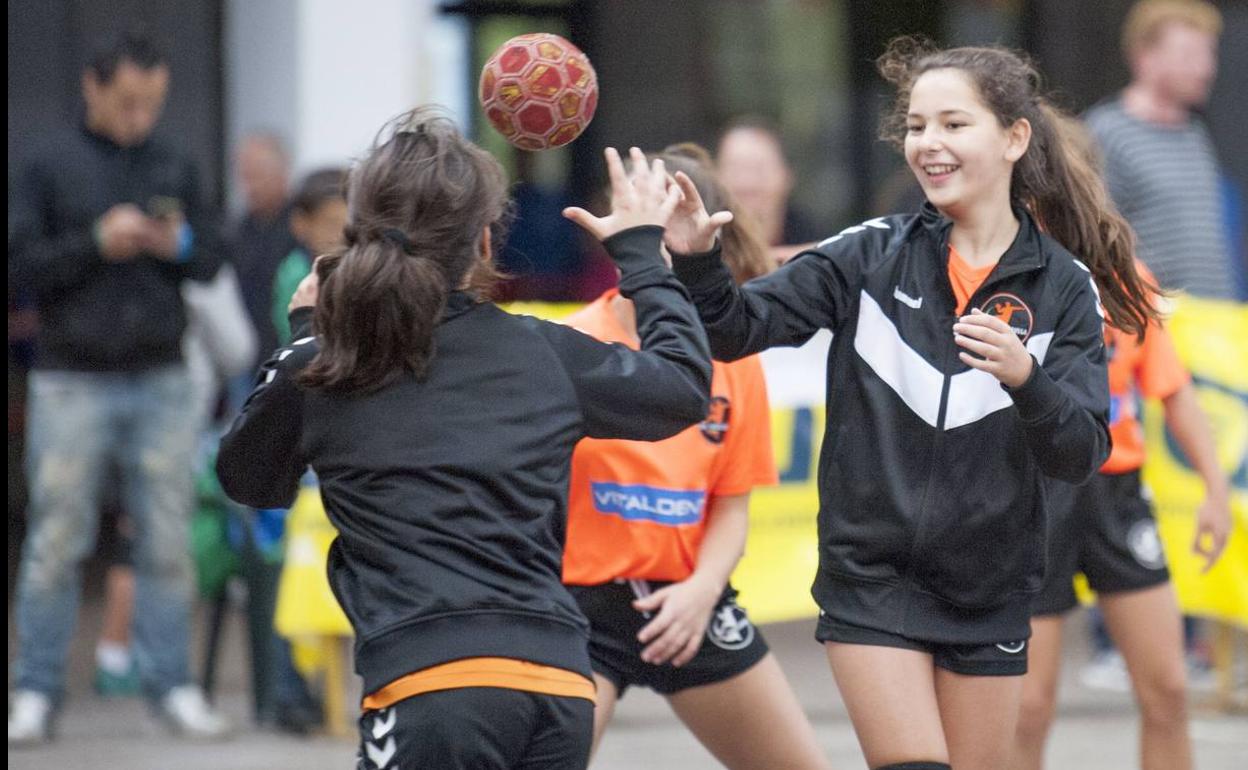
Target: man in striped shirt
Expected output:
[1159,159]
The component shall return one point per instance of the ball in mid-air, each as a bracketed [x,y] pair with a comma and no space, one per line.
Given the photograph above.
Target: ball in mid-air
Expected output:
[539,91]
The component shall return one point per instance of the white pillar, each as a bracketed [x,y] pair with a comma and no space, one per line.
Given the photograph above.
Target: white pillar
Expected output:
[325,75]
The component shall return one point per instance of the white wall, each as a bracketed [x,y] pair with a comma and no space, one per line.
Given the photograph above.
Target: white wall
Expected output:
[326,75]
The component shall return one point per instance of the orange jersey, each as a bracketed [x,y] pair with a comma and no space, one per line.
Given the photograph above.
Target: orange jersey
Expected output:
[1148,370]
[637,509]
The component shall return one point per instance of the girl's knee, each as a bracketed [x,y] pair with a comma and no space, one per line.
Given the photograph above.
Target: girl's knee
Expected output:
[1163,697]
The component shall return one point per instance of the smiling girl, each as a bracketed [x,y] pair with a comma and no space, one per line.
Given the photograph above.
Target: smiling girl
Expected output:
[967,367]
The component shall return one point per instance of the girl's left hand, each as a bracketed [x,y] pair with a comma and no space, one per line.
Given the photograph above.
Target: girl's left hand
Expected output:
[997,348]
[676,632]
[691,230]
[1213,527]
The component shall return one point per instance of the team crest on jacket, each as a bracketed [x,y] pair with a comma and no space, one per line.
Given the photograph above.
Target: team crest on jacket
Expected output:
[1013,311]
[715,426]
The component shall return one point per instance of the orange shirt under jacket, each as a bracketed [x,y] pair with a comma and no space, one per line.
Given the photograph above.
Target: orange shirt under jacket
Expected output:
[1151,369]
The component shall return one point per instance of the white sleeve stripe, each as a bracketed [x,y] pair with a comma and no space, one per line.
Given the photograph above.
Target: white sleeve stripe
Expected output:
[878,223]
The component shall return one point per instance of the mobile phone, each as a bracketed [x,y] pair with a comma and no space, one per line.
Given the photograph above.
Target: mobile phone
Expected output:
[164,207]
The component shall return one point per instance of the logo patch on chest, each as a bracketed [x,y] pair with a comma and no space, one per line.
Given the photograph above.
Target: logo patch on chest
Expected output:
[1013,311]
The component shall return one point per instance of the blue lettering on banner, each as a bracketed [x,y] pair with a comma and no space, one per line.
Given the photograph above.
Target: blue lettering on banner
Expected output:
[638,502]
[801,449]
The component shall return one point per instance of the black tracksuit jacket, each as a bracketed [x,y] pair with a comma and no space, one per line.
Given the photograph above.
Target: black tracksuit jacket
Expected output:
[96,315]
[932,475]
[450,495]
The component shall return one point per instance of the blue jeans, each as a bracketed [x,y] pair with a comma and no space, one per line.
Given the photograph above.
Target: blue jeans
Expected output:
[79,424]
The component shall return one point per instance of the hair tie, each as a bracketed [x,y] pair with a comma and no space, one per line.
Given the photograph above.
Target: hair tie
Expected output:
[400,239]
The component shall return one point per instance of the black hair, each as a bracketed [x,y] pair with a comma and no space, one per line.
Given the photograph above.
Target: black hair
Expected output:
[322,185]
[135,46]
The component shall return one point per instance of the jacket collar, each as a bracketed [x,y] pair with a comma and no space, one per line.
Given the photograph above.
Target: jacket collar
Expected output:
[458,303]
[1023,255]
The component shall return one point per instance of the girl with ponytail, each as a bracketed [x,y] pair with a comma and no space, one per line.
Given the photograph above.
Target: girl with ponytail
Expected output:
[441,431]
[967,370]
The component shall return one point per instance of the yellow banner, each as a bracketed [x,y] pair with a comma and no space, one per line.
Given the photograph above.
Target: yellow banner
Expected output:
[1212,338]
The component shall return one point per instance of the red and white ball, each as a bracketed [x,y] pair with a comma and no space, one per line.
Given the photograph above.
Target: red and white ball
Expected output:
[539,91]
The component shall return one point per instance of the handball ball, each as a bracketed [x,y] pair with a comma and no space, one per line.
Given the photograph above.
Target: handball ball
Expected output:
[539,91]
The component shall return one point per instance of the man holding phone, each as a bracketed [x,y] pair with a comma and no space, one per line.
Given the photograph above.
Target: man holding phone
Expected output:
[105,224]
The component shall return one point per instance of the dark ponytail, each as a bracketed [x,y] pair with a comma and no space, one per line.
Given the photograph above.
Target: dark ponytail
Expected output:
[1057,179]
[419,205]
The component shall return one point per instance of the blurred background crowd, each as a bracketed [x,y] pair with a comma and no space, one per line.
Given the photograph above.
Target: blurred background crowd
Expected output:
[253,111]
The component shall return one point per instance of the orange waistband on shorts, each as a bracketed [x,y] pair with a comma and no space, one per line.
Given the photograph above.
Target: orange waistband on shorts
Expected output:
[507,673]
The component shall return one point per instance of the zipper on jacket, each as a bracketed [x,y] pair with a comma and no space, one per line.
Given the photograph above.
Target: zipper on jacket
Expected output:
[946,380]
[948,361]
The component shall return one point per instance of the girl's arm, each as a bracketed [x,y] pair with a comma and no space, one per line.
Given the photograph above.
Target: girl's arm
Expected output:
[258,462]
[645,394]
[816,289]
[660,390]
[684,609]
[1190,428]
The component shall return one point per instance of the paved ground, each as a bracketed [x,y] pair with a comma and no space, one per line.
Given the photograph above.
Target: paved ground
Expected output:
[1095,730]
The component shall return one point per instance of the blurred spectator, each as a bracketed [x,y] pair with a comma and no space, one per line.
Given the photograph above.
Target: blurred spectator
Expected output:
[262,239]
[1159,159]
[105,224]
[219,344]
[220,341]
[754,168]
[543,256]
[318,214]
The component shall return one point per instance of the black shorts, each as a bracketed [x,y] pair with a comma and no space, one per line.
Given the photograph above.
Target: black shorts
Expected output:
[732,644]
[1106,530]
[478,727]
[1008,658]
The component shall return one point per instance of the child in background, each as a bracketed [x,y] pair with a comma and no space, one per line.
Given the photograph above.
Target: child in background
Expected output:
[317,217]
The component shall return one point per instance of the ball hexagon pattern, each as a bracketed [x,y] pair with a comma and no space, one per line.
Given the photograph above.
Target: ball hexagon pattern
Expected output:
[539,91]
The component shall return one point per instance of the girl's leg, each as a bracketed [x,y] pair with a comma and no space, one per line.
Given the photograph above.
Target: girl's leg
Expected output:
[891,697]
[1044,660]
[1146,627]
[604,707]
[751,720]
[980,718]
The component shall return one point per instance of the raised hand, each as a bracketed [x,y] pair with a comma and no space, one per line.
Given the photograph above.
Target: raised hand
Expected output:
[644,198]
[691,230]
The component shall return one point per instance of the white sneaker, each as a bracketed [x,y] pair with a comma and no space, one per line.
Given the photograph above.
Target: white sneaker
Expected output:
[189,714]
[1201,675]
[1106,671]
[30,719]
